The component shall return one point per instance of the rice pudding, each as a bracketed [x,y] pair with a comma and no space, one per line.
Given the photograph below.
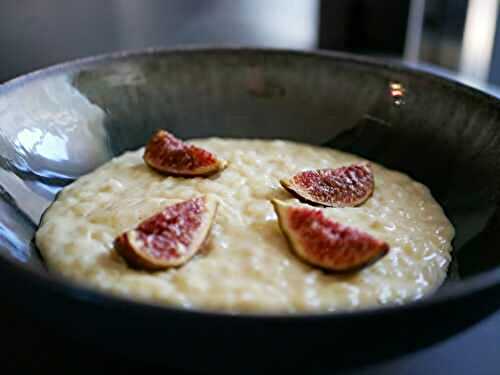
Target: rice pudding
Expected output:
[246,264]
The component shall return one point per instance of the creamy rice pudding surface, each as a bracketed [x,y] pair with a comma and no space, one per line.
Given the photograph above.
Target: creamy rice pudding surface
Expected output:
[246,264]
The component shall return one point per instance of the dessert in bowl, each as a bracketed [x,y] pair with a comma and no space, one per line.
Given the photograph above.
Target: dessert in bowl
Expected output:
[245,263]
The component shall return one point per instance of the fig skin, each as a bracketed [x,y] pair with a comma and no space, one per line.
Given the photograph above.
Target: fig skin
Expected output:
[334,187]
[137,256]
[169,155]
[345,249]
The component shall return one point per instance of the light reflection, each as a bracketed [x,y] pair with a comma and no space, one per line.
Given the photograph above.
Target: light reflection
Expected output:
[15,246]
[398,92]
[42,143]
[51,122]
[479,36]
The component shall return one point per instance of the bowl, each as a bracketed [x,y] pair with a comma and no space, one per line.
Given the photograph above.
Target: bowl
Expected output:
[59,123]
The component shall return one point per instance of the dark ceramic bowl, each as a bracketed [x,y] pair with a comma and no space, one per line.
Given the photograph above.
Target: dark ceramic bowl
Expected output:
[61,122]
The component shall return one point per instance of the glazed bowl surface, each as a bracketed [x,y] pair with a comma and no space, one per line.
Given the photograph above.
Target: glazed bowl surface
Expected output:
[62,122]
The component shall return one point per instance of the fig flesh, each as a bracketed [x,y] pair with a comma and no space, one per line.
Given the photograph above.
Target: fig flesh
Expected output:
[347,186]
[325,243]
[170,237]
[169,155]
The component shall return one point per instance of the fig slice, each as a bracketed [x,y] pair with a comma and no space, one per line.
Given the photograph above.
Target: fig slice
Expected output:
[347,186]
[170,237]
[168,154]
[325,243]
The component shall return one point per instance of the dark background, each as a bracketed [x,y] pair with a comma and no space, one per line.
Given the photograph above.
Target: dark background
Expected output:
[38,33]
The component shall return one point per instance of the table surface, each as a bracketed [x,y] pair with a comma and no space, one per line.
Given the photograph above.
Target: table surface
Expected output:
[29,345]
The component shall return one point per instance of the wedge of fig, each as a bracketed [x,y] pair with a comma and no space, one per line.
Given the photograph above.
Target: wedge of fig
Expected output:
[169,238]
[347,186]
[168,154]
[325,243]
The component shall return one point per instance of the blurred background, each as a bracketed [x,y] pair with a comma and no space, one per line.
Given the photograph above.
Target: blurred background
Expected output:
[459,35]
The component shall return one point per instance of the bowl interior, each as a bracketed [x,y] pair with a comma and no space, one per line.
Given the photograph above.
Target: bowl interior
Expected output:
[58,124]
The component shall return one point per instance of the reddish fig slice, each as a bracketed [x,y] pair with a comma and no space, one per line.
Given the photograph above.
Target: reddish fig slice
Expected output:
[342,187]
[169,238]
[325,243]
[170,155]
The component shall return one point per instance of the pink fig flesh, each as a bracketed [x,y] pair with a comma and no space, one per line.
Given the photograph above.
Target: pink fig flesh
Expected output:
[325,243]
[347,186]
[170,237]
[169,155]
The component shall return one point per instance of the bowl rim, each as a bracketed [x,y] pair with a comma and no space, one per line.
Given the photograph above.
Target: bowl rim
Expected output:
[83,293]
